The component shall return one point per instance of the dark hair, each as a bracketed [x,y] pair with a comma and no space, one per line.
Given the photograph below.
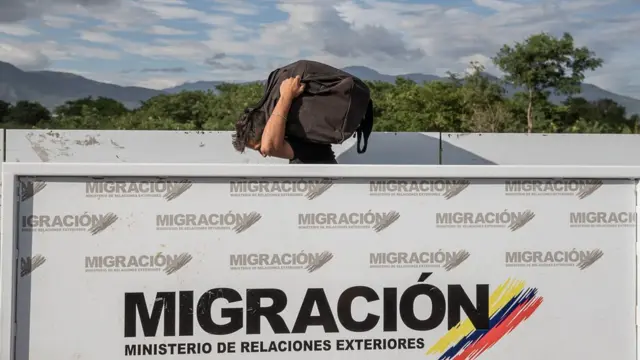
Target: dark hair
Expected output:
[247,129]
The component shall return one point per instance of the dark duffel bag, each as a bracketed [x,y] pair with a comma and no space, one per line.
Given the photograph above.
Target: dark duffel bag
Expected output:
[334,106]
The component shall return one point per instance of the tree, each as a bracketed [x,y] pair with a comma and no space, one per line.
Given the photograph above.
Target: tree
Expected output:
[190,109]
[5,107]
[604,115]
[634,120]
[27,113]
[474,102]
[545,63]
[483,98]
[103,107]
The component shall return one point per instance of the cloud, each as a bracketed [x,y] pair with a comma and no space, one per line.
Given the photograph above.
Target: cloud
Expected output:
[237,7]
[450,37]
[160,83]
[315,30]
[98,37]
[119,15]
[78,52]
[164,70]
[167,2]
[186,50]
[497,5]
[218,56]
[342,39]
[168,11]
[237,66]
[246,39]
[40,55]
[173,12]
[25,57]
[58,22]
[166,30]
[132,77]
[17,30]
[220,61]
[160,48]
[17,10]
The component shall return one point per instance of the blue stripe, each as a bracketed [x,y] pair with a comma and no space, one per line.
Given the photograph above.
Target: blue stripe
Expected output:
[522,297]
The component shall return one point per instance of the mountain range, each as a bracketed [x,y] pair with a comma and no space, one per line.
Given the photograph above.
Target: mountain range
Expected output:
[51,88]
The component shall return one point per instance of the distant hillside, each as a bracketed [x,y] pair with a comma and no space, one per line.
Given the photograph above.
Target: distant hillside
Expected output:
[54,88]
[366,73]
[194,86]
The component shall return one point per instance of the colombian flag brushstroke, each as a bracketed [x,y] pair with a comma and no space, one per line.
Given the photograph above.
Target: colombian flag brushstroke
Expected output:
[509,305]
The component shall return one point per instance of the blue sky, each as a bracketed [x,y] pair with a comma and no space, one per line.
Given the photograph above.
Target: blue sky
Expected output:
[162,43]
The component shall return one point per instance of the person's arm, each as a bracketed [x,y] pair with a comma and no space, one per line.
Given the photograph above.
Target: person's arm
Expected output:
[272,142]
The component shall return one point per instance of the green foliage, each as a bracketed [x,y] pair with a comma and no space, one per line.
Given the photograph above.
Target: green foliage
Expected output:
[26,114]
[104,107]
[543,62]
[5,107]
[469,103]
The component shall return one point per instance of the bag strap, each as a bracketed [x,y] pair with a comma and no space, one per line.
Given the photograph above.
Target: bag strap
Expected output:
[366,127]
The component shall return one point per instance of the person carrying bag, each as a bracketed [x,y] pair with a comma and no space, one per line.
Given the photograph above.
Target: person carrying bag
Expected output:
[307,106]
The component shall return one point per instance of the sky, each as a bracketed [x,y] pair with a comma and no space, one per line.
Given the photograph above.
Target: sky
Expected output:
[163,43]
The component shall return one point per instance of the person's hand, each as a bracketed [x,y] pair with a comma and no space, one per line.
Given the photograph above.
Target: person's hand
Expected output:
[291,88]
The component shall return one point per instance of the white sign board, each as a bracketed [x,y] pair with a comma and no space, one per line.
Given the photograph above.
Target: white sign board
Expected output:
[108,262]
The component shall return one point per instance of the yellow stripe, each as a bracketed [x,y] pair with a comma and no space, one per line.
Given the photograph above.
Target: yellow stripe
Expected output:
[498,299]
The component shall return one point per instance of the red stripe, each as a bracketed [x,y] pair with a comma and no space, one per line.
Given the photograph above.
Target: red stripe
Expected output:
[518,315]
